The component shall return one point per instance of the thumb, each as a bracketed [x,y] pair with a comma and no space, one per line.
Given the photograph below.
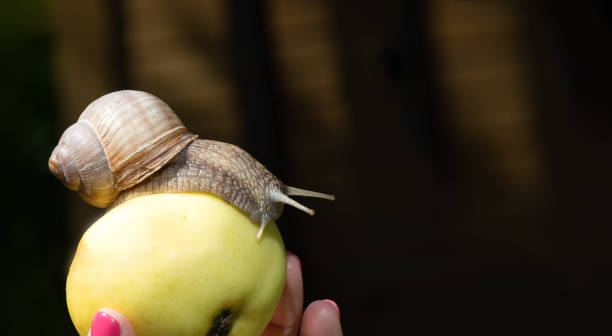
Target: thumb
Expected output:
[108,322]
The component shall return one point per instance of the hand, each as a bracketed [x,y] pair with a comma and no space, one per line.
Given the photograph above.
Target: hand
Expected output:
[321,318]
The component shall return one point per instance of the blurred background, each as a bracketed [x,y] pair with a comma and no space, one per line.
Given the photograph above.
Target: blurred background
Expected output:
[468,144]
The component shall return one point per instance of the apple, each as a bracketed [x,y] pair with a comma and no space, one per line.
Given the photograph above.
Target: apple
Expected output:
[178,264]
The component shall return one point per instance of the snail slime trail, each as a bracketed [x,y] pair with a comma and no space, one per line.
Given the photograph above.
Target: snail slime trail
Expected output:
[123,146]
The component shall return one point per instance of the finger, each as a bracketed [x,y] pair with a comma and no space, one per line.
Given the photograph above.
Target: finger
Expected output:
[287,317]
[108,322]
[321,318]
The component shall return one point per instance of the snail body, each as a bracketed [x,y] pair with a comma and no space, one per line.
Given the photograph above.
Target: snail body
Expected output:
[130,143]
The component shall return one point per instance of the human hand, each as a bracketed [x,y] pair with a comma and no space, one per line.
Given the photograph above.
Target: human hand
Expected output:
[321,317]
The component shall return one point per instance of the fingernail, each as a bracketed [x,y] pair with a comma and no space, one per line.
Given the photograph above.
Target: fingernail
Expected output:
[104,324]
[334,304]
[296,257]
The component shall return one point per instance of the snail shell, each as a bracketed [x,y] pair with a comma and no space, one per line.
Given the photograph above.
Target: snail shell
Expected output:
[130,143]
[119,140]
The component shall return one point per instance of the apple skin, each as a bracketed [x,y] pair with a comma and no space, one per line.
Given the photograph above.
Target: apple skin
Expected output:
[173,262]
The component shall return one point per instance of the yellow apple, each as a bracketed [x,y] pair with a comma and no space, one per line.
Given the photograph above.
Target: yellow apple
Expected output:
[178,264]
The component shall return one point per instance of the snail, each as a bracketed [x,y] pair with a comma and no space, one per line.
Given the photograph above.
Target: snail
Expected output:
[130,143]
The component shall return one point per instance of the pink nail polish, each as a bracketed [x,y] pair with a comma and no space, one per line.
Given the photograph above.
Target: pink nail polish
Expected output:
[298,258]
[104,324]
[333,304]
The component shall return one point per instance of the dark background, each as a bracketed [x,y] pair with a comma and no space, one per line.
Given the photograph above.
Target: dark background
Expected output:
[468,145]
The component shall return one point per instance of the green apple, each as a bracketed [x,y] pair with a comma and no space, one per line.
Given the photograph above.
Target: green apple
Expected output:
[178,264]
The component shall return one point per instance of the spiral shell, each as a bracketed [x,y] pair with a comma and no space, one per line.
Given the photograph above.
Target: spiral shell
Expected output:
[119,140]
